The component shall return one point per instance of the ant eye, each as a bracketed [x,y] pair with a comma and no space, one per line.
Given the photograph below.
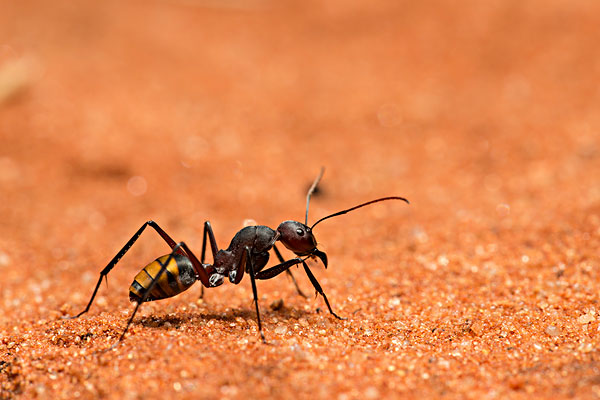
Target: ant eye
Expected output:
[300,232]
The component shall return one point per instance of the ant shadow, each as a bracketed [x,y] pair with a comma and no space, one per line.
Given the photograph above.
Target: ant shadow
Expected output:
[168,322]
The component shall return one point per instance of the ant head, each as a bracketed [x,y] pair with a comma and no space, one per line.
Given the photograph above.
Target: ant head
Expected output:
[299,238]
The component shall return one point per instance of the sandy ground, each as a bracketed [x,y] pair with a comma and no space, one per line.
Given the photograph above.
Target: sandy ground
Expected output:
[483,114]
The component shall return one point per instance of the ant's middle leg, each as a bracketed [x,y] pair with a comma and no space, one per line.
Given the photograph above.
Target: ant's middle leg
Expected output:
[121,253]
[289,273]
[208,233]
[247,261]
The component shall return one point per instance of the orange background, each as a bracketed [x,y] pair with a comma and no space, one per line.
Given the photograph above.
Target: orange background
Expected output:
[483,114]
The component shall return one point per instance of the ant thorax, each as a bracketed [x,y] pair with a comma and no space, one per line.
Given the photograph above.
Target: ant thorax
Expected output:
[258,238]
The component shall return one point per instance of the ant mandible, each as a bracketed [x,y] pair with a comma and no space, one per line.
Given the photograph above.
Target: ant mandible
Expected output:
[248,252]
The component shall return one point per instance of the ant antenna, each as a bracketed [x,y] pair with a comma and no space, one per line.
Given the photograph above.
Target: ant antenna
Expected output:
[358,206]
[310,192]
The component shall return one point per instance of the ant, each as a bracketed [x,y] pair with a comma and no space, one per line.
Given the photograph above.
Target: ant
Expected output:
[248,252]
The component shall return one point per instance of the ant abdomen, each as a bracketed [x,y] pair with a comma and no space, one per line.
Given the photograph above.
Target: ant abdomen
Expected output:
[178,276]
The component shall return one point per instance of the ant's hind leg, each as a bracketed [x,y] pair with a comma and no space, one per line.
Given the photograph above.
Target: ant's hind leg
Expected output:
[121,253]
[148,290]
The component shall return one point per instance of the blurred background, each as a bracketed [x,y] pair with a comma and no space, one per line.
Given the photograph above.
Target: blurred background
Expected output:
[116,112]
[483,114]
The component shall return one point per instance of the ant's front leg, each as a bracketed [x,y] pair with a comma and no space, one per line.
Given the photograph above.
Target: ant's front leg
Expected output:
[278,269]
[318,288]
[288,272]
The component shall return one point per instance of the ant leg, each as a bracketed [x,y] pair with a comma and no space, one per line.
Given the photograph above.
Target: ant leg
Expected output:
[203,275]
[163,268]
[247,259]
[208,232]
[278,269]
[121,253]
[318,288]
[289,273]
[213,242]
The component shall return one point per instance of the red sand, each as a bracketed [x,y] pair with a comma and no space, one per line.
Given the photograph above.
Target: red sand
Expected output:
[483,114]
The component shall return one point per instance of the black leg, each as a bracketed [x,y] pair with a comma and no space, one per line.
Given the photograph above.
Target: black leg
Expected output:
[247,259]
[213,242]
[289,273]
[278,269]
[121,253]
[147,292]
[208,232]
[199,267]
[318,288]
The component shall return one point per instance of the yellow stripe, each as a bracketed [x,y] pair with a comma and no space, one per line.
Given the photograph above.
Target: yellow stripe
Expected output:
[164,279]
[134,290]
[162,288]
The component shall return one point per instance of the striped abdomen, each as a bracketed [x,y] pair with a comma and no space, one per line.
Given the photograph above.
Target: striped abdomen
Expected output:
[178,276]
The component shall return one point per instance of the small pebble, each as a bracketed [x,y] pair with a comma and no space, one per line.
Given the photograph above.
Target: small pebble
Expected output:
[552,330]
[281,329]
[276,305]
[586,318]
